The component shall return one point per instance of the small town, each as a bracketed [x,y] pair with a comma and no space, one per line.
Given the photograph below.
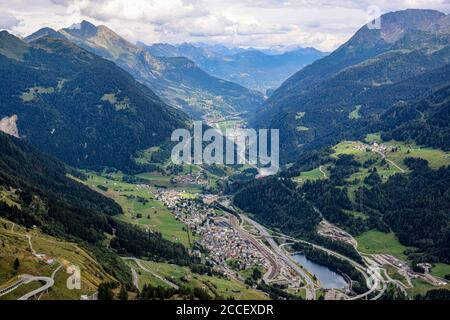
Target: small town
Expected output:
[216,234]
[224,241]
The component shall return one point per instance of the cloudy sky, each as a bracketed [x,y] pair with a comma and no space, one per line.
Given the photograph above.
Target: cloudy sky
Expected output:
[323,24]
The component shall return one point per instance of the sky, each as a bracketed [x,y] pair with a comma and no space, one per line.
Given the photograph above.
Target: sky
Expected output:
[323,24]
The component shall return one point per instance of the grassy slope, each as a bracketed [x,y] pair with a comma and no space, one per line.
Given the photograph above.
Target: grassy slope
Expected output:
[380,242]
[154,215]
[420,287]
[435,157]
[215,286]
[313,174]
[16,246]
[441,270]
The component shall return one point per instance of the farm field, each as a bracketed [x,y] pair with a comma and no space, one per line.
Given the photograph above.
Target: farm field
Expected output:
[436,158]
[312,175]
[421,287]
[140,206]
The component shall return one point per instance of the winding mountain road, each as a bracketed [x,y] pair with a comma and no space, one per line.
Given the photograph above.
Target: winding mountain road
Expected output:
[323,172]
[49,282]
[390,161]
[140,265]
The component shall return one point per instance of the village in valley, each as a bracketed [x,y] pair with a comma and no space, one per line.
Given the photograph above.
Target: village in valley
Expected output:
[223,244]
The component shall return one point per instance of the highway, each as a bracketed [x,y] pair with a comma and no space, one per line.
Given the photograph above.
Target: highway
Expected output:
[373,281]
[372,288]
[12,287]
[310,288]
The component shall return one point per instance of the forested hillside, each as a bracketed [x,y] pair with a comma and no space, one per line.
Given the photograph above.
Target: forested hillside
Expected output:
[344,94]
[278,203]
[416,207]
[177,80]
[425,122]
[77,106]
[38,193]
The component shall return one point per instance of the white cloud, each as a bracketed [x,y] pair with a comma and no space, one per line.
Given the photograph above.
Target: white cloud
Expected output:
[8,21]
[259,23]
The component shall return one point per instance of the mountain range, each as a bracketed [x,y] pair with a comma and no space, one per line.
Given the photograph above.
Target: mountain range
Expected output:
[256,69]
[177,80]
[84,97]
[81,108]
[347,92]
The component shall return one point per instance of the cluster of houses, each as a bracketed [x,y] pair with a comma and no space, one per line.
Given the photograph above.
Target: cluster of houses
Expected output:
[217,236]
[224,243]
[375,147]
[191,178]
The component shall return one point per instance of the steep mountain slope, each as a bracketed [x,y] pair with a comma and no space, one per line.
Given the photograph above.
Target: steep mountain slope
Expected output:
[426,122]
[35,191]
[373,71]
[250,67]
[416,206]
[44,32]
[177,80]
[13,238]
[77,106]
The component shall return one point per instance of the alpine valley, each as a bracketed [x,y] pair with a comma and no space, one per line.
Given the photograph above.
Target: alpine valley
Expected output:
[360,208]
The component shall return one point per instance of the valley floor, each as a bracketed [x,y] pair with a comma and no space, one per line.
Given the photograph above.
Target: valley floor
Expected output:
[240,249]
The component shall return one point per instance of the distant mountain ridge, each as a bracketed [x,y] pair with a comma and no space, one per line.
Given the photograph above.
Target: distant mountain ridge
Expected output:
[253,68]
[178,81]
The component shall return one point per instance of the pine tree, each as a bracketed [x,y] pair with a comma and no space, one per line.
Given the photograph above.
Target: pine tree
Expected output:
[105,292]
[16,264]
[123,294]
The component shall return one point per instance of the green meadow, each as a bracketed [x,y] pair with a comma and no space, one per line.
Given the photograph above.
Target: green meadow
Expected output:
[373,241]
[140,206]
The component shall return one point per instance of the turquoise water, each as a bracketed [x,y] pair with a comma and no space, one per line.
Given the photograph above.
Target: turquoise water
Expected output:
[328,278]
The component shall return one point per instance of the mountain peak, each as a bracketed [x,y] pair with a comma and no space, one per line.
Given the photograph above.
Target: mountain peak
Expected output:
[44,32]
[394,27]
[84,30]
[395,24]
[107,32]
[418,19]
[11,46]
